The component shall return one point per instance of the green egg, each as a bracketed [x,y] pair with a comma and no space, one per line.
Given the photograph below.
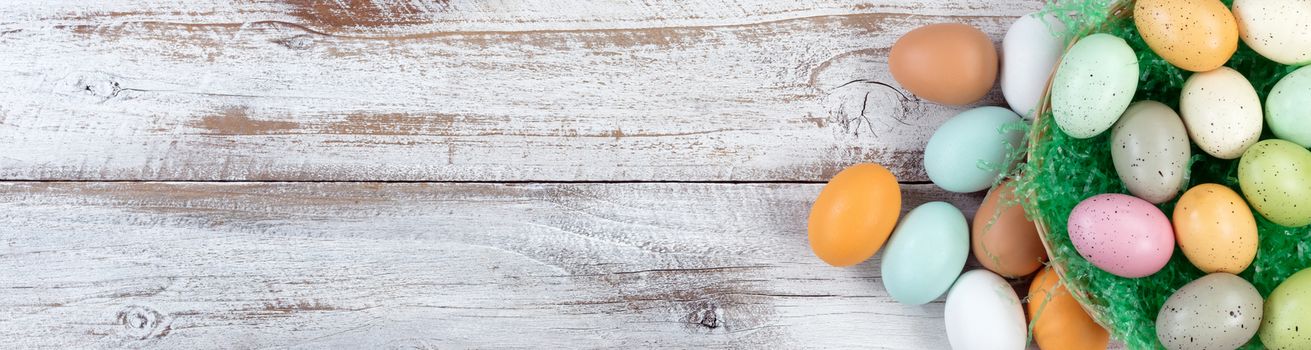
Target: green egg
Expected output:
[1286,107]
[1275,176]
[1287,317]
[1094,85]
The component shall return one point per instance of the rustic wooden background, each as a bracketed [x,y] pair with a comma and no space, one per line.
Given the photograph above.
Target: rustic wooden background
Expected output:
[445,174]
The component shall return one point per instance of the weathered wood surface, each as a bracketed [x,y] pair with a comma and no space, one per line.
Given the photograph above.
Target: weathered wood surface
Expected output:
[366,265]
[729,90]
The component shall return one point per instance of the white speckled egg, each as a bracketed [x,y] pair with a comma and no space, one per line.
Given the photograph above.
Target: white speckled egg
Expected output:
[1094,85]
[1217,311]
[1150,149]
[1030,51]
[983,313]
[1277,29]
[1222,112]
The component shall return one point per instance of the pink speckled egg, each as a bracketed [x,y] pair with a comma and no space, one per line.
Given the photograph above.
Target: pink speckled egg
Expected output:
[1122,234]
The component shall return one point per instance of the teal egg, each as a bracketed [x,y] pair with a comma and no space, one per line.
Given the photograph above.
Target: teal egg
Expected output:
[1286,109]
[954,153]
[1093,85]
[1275,176]
[926,253]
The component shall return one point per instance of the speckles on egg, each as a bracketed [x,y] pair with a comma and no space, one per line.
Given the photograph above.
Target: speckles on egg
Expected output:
[1121,234]
[1277,29]
[1222,112]
[1217,311]
[1287,315]
[1275,176]
[1150,150]
[1215,229]
[1093,85]
[1196,35]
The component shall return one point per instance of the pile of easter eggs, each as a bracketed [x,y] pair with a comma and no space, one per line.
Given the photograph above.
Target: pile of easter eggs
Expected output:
[1091,85]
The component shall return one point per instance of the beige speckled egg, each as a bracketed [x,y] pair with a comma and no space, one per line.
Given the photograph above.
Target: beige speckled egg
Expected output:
[1222,112]
[1150,149]
[1277,29]
[1196,35]
[1217,311]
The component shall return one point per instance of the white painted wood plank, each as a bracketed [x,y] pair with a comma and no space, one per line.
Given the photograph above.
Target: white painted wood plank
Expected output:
[485,91]
[360,265]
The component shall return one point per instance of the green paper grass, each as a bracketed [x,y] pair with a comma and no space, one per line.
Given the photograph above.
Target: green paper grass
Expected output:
[1062,171]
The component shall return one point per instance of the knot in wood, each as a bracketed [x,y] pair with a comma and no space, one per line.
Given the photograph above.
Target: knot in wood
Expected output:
[142,322]
[708,315]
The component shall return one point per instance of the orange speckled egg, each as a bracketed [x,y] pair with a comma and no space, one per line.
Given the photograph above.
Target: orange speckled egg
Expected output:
[1002,239]
[854,214]
[1196,35]
[947,63]
[1215,229]
[1059,323]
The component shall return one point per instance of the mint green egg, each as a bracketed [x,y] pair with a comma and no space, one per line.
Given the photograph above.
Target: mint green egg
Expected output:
[926,253]
[1287,109]
[956,150]
[1286,320]
[1275,176]
[1093,85]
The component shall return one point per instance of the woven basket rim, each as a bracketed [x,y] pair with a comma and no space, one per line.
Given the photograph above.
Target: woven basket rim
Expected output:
[1120,10]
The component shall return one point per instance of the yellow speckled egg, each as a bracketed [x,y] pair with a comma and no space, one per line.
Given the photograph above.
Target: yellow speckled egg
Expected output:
[1196,35]
[1215,229]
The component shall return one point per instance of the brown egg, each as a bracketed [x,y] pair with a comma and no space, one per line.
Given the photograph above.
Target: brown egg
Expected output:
[947,63]
[1196,35]
[1003,240]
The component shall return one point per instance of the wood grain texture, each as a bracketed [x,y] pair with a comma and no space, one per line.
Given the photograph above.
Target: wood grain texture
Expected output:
[363,265]
[464,90]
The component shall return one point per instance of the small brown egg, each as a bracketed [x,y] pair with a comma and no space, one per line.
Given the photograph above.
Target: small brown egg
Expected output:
[1196,35]
[947,63]
[1002,239]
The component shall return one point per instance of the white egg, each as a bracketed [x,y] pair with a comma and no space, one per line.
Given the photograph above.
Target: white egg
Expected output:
[983,312]
[1222,112]
[1277,29]
[1030,51]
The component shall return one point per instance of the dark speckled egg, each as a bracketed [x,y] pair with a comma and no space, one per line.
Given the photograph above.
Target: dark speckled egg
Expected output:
[1217,311]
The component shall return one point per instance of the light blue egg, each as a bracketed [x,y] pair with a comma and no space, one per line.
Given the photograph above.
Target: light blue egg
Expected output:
[952,157]
[1094,85]
[1286,108]
[926,253]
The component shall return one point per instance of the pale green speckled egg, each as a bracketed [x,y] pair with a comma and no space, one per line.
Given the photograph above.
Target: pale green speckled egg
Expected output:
[1286,107]
[1094,85]
[1275,176]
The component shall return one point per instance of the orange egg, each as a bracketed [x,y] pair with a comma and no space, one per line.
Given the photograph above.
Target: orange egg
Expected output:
[854,214]
[947,63]
[1059,323]
[1196,35]
[1215,229]
[1002,239]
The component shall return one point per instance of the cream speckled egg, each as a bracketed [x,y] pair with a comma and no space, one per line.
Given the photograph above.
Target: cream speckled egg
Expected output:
[1277,29]
[1150,149]
[1094,85]
[1222,112]
[1217,311]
